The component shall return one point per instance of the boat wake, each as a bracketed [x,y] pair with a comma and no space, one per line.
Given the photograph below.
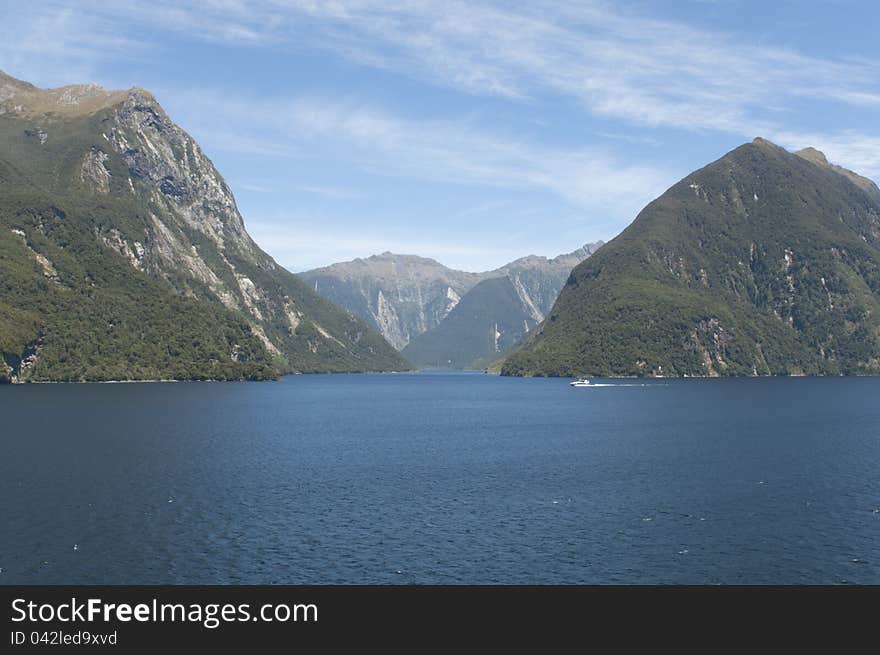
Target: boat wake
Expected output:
[584,383]
[593,385]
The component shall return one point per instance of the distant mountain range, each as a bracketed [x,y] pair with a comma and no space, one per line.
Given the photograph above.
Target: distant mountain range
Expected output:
[123,255]
[765,262]
[443,318]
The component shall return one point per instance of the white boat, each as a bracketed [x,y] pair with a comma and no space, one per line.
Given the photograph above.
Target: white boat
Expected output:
[581,382]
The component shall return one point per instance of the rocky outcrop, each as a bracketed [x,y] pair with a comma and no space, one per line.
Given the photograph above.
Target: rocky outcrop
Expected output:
[399,295]
[168,213]
[405,296]
[94,173]
[15,367]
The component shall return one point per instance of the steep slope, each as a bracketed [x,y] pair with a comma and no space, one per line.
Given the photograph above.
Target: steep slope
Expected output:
[404,296]
[496,314]
[113,221]
[399,295]
[489,320]
[817,157]
[762,263]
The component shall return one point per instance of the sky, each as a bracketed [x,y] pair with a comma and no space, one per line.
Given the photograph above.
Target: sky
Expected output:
[470,132]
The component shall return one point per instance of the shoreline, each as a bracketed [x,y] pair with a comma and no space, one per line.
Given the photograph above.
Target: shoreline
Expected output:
[187,380]
[417,371]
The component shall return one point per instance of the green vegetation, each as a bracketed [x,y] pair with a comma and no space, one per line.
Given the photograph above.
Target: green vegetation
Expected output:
[131,261]
[96,317]
[489,319]
[762,263]
[353,346]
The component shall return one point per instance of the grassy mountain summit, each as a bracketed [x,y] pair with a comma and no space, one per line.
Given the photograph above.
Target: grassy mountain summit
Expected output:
[123,255]
[764,262]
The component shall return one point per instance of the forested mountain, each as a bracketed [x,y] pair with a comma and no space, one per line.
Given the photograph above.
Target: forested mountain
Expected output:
[765,262]
[123,255]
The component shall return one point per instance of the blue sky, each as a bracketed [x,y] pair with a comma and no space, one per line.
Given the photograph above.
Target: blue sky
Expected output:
[470,132]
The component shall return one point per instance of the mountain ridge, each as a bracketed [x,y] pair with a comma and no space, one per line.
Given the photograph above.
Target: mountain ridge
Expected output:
[405,296]
[109,173]
[763,262]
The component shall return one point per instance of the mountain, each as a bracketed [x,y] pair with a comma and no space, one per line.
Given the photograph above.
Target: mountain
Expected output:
[490,319]
[496,314]
[123,255]
[399,295]
[764,262]
[408,299]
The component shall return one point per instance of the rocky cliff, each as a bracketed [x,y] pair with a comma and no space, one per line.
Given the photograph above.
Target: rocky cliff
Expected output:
[405,296]
[94,178]
[399,295]
[496,314]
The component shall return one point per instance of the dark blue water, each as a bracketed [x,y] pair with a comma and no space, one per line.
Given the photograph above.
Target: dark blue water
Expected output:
[444,478]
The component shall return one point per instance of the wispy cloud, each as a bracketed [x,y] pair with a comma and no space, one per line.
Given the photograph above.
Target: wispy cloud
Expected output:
[254,188]
[610,61]
[327,191]
[57,44]
[322,191]
[301,250]
[454,151]
[851,148]
[614,62]
[460,153]
[226,138]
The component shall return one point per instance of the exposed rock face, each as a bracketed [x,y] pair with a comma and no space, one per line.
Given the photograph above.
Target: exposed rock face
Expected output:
[399,295]
[15,366]
[496,314]
[37,133]
[134,251]
[490,319]
[174,217]
[764,262]
[404,296]
[44,262]
[94,173]
[180,178]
